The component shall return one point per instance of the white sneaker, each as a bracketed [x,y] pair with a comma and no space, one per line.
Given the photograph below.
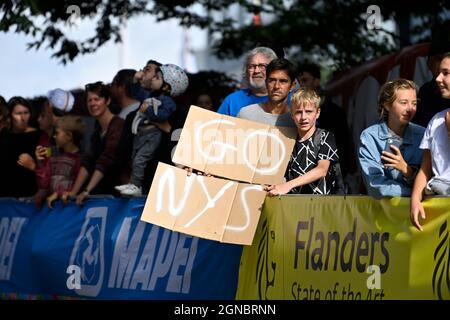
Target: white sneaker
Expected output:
[132,191]
[122,187]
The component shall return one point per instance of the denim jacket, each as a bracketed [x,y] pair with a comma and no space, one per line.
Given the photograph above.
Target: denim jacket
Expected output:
[388,182]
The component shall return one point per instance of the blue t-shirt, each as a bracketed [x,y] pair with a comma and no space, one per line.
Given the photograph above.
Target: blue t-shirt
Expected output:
[236,100]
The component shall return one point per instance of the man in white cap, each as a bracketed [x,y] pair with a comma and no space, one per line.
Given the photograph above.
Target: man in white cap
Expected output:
[60,102]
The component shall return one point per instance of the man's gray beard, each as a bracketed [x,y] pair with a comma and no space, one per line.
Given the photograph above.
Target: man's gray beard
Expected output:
[257,85]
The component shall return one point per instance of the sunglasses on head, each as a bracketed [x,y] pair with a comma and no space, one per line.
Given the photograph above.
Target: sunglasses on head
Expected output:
[93,85]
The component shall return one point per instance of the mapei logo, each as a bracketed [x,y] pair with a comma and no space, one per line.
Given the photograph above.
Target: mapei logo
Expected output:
[88,252]
[441,275]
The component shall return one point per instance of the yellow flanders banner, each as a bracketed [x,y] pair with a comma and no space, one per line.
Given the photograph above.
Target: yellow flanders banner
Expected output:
[353,248]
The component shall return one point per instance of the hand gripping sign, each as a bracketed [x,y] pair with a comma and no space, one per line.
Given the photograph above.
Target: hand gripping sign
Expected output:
[206,207]
[219,209]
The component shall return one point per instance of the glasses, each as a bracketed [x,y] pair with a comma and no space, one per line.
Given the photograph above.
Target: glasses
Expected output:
[261,67]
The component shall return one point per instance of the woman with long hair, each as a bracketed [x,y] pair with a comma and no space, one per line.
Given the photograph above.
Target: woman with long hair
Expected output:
[18,145]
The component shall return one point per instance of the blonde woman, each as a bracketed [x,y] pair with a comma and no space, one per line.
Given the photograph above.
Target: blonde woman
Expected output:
[389,153]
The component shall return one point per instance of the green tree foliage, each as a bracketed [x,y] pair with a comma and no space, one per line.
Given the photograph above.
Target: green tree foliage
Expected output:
[333,30]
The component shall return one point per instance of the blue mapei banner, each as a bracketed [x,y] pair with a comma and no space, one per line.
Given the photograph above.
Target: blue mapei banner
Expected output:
[101,250]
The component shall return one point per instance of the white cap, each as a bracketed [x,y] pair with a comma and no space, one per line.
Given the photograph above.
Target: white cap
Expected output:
[61,99]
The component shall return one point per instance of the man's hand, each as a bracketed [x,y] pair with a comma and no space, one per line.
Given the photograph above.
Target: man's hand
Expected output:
[206,174]
[189,170]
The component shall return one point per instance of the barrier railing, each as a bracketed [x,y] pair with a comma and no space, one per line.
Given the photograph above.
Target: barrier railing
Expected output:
[306,247]
[102,251]
[349,248]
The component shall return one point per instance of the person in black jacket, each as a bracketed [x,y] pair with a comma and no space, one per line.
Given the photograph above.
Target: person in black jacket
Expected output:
[18,145]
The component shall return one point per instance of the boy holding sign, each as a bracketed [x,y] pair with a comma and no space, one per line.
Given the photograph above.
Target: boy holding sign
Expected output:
[311,169]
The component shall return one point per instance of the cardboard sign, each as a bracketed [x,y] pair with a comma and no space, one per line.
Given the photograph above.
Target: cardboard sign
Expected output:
[234,148]
[206,207]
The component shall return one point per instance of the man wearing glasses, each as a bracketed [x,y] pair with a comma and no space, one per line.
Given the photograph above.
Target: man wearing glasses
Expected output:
[254,90]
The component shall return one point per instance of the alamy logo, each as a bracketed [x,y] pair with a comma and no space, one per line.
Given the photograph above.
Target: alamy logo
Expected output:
[374,280]
[373,20]
[74,12]
[74,279]
[88,252]
[441,274]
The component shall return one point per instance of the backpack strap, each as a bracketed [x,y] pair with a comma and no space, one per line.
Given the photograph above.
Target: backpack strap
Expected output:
[336,166]
[316,140]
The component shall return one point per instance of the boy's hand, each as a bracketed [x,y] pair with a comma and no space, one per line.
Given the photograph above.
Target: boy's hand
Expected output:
[51,198]
[278,189]
[40,153]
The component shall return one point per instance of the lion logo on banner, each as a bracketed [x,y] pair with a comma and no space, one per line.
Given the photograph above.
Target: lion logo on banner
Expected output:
[441,274]
[265,271]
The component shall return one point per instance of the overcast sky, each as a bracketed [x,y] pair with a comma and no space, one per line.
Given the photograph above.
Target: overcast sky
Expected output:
[29,72]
